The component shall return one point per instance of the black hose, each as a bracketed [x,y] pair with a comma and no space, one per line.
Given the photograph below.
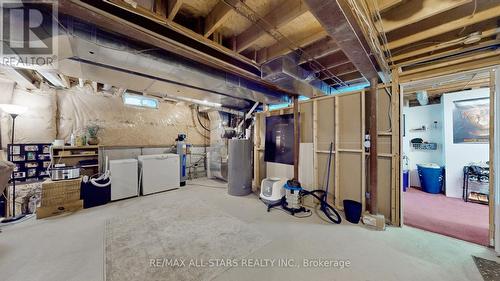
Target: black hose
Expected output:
[325,207]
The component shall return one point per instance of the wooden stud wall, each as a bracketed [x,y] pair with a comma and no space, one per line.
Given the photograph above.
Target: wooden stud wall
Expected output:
[341,119]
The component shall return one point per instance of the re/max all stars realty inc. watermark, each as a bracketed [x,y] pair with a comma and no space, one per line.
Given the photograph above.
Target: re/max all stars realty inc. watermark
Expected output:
[29,32]
[250,262]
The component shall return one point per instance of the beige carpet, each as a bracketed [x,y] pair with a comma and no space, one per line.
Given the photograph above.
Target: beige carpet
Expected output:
[181,241]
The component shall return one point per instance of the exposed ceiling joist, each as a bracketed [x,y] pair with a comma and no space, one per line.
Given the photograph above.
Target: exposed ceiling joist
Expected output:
[414,11]
[217,17]
[340,70]
[452,69]
[319,49]
[439,46]
[160,7]
[283,47]
[446,27]
[340,24]
[173,7]
[431,66]
[385,5]
[284,13]
[331,61]
[456,51]
[475,83]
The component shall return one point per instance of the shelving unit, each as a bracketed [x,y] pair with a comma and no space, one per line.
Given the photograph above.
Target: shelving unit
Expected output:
[424,146]
[85,157]
[480,177]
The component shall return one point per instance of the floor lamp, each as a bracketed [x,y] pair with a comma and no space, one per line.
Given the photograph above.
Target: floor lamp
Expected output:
[14,111]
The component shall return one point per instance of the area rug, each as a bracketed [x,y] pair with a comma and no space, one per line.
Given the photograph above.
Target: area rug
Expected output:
[185,240]
[490,270]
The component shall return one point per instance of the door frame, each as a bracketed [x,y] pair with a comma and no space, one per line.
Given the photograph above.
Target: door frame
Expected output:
[494,186]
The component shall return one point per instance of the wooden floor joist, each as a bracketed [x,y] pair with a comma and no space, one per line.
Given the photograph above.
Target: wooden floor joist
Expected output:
[445,27]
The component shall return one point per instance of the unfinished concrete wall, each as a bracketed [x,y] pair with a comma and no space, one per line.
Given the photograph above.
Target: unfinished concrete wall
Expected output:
[56,114]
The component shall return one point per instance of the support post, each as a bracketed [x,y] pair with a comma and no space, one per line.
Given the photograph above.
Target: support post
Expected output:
[296,137]
[373,147]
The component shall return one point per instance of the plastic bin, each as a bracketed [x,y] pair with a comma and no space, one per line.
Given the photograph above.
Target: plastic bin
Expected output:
[431,177]
[406,180]
[352,210]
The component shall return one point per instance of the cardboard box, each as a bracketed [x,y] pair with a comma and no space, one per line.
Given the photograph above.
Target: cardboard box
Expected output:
[45,212]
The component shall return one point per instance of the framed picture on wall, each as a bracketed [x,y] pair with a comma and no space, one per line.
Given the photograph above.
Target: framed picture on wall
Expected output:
[471,121]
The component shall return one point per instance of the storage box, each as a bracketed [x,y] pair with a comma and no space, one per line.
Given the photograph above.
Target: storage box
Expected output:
[59,197]
[44,212]
[60,192]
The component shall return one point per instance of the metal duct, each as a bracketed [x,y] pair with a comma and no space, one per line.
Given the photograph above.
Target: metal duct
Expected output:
[217,155]
[88,52]
[285,72]
[422,97]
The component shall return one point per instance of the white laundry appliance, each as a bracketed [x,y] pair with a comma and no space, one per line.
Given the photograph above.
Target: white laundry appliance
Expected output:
[124,178]
[159,172]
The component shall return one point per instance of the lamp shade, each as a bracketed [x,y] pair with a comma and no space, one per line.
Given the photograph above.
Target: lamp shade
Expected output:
[13,108]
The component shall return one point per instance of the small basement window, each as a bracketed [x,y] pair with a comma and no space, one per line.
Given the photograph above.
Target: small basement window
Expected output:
[140,101]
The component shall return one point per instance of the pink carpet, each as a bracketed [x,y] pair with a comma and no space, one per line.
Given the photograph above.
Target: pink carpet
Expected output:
[448,216]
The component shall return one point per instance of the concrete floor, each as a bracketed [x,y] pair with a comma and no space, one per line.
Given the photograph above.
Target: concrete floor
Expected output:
[71,247]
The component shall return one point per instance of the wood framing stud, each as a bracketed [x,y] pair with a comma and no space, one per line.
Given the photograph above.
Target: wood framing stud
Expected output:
[444,28]
[296,137]
[173,7]
[217,17]
[373,147]
[274,19]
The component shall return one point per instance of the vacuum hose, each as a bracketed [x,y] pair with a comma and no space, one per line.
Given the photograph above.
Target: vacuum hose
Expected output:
[325,207]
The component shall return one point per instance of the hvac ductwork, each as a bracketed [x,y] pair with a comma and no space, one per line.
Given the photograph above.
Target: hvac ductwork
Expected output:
[94,54]
[422,97]
[288,75]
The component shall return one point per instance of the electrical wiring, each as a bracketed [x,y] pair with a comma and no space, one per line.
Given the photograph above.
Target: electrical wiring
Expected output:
[471,16]
[258,20]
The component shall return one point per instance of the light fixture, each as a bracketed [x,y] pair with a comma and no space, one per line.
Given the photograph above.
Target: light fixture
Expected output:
[13,110]
[473,38]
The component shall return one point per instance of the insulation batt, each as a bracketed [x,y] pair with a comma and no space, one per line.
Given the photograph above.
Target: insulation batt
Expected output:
[56,114]
[38,123]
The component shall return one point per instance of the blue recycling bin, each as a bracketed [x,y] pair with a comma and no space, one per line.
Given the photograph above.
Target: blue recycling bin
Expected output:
[431,177]
[406,180]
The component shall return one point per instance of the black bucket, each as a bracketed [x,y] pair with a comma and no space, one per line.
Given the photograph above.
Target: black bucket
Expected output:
[352,210]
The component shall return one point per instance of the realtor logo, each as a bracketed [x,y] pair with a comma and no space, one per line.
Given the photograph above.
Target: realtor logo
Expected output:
[28,32]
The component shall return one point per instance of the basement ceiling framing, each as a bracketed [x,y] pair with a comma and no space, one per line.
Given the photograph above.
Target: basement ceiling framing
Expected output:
[238,36]
[418,38]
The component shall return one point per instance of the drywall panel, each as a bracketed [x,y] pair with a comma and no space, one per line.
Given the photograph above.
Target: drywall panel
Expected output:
[306,165]
[458,155]
[350,121]
[384,144]
[384,186]
[306,122]
[326,123]
[323,174]
[38,123]
[416,117]
[279,170]
[350,171]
